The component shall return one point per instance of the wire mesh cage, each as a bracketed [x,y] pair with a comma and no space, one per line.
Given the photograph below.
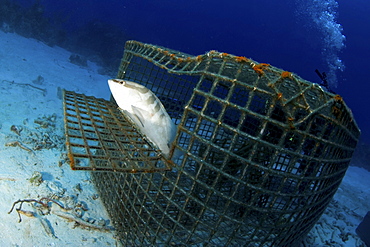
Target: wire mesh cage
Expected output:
[263,152]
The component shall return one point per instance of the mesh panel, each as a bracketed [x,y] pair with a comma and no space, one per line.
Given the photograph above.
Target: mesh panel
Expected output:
[99,137]
[264,153]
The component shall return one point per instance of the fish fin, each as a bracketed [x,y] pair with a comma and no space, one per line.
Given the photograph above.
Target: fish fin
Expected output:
[133,117]
[141,114]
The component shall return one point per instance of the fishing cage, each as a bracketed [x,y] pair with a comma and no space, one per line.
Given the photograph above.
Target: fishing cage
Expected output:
[262,151]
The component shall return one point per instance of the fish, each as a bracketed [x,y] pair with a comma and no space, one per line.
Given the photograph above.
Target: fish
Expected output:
[146,111]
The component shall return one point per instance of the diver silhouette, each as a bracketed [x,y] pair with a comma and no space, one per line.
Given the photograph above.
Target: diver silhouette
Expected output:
[324,80]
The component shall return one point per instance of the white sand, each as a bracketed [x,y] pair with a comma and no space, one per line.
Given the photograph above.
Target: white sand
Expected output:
[23,101]
[21,61]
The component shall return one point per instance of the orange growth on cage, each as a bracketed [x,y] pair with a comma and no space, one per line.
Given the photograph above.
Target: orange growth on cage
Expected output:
[286,74]
[241,59]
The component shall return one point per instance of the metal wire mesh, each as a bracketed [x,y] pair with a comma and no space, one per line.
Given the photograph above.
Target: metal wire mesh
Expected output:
[264,153]
[99,137]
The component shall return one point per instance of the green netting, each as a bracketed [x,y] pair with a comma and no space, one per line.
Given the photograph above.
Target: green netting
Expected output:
[264,151]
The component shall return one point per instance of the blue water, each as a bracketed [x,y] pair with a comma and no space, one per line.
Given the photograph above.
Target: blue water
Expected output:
[298,35]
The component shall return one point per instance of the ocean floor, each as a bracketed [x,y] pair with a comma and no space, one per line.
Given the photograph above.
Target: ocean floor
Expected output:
[34,167]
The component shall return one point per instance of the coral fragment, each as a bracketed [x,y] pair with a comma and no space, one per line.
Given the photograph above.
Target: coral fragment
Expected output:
[338,98]
[279,96]
[259,68]
[241,59]
[199,58]
[286,74]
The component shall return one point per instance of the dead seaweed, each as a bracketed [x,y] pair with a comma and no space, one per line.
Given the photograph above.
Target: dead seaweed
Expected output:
[19,144]
[46,204]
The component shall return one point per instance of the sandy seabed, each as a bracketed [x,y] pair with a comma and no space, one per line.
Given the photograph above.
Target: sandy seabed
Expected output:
[33,164]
